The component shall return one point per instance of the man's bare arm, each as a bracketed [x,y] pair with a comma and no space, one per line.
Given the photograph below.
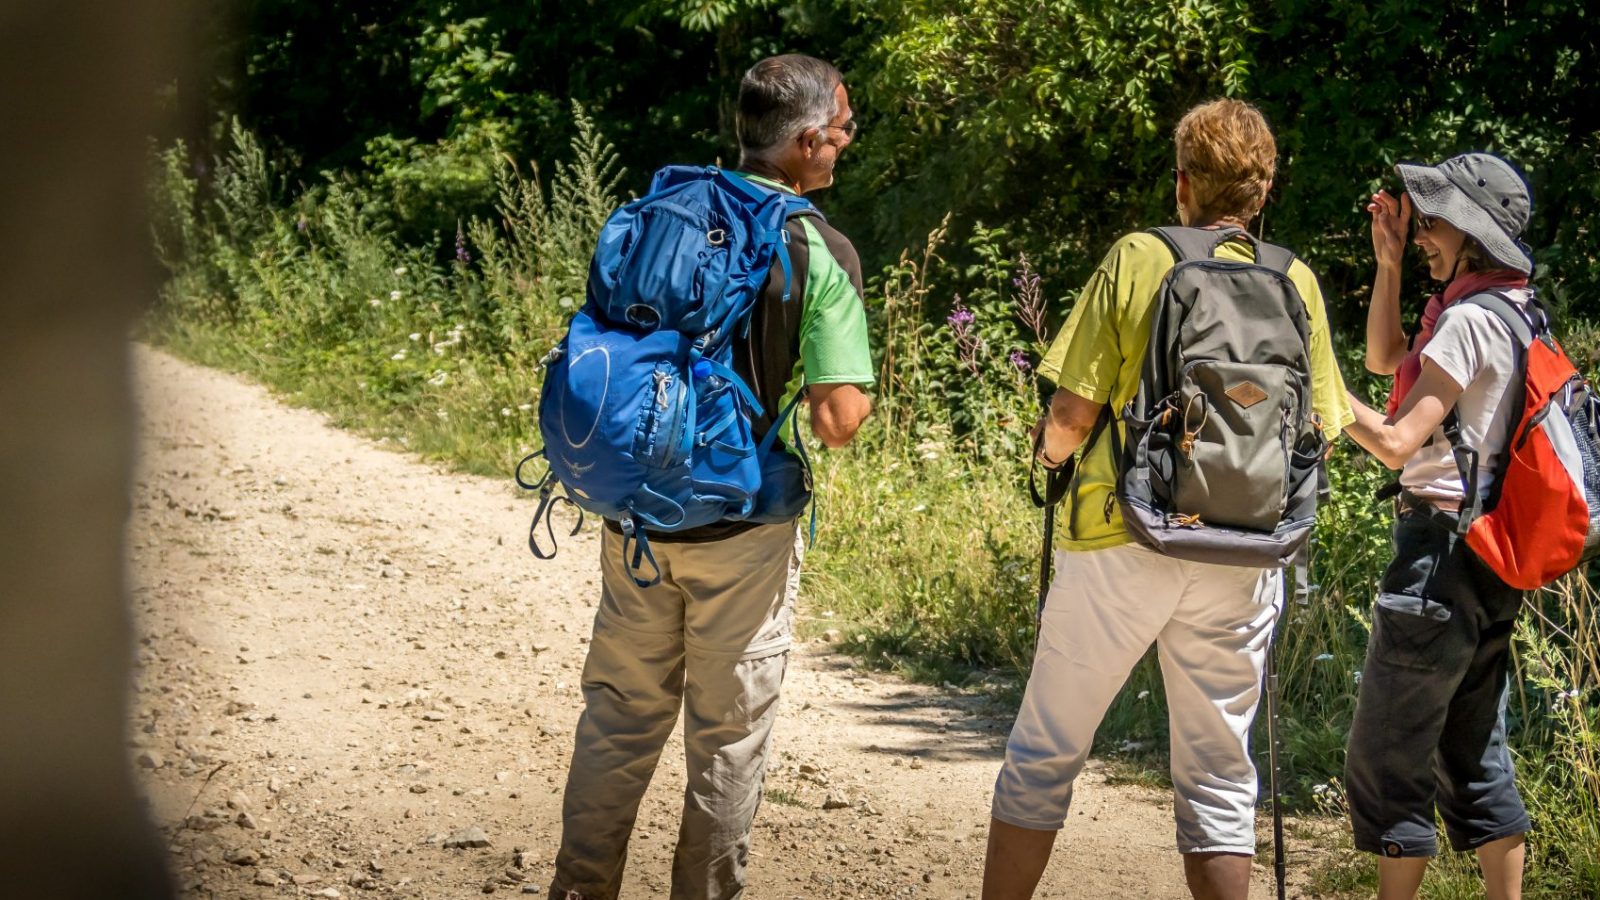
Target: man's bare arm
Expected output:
[837,411]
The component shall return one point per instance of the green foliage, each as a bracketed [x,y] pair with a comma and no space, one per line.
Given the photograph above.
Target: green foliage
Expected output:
[1046,116]
[1371,86]
[1050,120]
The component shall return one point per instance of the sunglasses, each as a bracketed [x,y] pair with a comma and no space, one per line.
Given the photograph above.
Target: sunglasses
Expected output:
[849,128]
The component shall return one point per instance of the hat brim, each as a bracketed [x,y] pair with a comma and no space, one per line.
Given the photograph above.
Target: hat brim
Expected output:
[1434,196]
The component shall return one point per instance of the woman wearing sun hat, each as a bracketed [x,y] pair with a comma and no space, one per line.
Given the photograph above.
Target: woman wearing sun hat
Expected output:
[1429,727]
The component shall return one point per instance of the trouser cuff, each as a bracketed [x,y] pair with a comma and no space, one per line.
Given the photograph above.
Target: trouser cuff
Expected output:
[1397,848]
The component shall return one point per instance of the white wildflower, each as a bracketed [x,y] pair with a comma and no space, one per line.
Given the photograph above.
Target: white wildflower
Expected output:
[564,303]
[919,507]
[443,413]
[394,295]
[415,335]
[399,356]
[1323,657]
[525,406]
[439,378]
[505,410]
[400,271]
[374,302]
[1143,694]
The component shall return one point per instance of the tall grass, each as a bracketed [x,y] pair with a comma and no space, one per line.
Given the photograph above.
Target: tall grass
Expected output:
[928,551]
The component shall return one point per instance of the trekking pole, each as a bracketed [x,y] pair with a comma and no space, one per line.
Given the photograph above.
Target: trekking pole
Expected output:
[1280,866]
[1302,596]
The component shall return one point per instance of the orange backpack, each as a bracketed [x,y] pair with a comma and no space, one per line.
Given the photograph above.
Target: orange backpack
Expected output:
[1541,519]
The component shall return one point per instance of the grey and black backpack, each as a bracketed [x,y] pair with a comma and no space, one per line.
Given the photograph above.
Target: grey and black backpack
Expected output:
[1223,450]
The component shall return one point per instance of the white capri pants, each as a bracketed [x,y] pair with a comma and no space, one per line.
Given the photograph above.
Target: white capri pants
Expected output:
[1210,625]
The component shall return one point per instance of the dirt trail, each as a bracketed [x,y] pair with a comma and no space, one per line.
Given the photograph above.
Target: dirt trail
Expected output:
[361,653]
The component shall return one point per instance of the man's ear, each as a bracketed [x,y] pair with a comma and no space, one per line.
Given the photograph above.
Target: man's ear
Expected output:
[811,141]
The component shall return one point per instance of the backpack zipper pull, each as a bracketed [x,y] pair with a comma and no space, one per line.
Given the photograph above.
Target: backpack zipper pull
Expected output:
[1186,445]
[662,380]
[1111,502]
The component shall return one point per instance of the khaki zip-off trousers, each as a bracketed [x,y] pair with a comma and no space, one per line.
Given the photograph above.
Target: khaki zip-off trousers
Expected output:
[712,638]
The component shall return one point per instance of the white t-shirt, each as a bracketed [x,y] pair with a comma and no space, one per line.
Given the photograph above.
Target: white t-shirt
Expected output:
[1478,352]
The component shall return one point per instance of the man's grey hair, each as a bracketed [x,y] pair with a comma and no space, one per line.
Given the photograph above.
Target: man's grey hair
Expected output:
[782,96]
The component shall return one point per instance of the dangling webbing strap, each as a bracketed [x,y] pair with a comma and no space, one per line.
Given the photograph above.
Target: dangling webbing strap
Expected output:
[769,442]
[1101,422]
[548,498]
[635,538]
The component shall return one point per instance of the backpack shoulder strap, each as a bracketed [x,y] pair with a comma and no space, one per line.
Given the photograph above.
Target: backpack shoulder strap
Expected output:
[1201,243]
[1274,257]
[1192,243]
[795,206]
[1465,456]
[1508,312]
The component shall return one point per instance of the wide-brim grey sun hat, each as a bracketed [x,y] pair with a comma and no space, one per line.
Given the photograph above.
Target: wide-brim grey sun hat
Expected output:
[1480,194]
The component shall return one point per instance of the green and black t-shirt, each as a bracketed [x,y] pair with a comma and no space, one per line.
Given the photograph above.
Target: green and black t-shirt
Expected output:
[818,337]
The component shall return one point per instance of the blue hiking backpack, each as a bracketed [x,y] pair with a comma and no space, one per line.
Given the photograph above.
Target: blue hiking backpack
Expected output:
[644,420]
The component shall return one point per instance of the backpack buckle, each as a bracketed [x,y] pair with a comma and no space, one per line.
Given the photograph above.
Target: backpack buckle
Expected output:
[717,237]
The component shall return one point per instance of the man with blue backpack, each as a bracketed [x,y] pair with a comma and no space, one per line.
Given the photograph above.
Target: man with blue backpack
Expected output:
[717,305]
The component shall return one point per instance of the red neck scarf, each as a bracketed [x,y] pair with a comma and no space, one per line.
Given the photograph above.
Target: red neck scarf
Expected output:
[1461,286]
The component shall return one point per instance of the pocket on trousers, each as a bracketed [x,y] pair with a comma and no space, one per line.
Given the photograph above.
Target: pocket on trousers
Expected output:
[1410,632]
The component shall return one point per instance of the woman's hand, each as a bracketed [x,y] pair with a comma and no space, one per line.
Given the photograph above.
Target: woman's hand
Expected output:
[1390,217]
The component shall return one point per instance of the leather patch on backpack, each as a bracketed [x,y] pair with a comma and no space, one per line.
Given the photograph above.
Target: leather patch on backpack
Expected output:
[1246,394]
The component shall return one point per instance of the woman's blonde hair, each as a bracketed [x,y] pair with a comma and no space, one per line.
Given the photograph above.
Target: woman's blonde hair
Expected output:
[1227,151]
